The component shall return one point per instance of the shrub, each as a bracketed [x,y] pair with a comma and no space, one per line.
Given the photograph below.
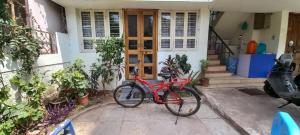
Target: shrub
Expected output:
[110,52]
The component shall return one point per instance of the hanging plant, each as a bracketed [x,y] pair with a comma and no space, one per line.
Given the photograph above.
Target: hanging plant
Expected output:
[24,48]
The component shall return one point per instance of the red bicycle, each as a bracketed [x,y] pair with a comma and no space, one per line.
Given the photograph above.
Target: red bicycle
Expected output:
[172,92]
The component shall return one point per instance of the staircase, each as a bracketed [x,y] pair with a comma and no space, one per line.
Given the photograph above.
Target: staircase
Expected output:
[219,77]
[217,54]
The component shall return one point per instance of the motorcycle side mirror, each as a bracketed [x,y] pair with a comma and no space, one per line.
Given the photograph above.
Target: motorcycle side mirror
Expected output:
[291,43]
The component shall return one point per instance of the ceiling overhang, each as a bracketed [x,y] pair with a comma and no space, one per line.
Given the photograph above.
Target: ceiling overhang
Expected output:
[254,6]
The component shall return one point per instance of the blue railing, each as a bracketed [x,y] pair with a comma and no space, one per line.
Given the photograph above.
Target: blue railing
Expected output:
[283,124]
[66,127]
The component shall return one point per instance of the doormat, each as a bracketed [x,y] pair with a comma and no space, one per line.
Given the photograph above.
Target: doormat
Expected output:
[252,91]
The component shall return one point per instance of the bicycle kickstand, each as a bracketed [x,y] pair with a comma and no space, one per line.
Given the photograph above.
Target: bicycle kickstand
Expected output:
[179,109]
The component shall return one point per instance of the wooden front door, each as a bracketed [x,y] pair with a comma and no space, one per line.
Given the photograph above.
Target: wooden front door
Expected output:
[293,34]
[141,42]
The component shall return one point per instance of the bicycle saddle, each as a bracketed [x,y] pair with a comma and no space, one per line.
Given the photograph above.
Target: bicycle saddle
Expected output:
[165,75]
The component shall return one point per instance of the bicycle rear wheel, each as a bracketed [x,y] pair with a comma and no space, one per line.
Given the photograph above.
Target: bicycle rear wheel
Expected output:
[129,95]
[183,102]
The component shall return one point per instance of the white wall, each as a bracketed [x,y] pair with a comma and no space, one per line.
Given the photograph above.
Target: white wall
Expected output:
[274,37]
[47,15]
[74,50]
[194,55]
[229,24]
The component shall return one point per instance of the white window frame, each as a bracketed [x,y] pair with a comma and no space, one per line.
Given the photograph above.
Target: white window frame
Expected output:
[173,27]
[106,26]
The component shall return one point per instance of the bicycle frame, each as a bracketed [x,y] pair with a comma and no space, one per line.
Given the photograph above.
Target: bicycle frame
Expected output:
[164,86]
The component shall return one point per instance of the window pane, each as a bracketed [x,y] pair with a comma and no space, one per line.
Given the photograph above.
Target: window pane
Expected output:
[148,58]
[132,45]
[133,59]
[148,25]
[99,24]
[178,43]
[147,70]
[148,44]
[132,25]
[86,24]
[179,30]
[190,43]
[192,19]
[87,44]
[165,43]
[114,24]
[165,24]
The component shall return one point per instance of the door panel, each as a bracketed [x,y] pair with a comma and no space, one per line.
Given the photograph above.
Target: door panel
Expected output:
[141,42]
[293,34]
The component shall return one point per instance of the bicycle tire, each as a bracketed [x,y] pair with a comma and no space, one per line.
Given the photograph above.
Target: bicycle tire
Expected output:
[195,110]
[134,86]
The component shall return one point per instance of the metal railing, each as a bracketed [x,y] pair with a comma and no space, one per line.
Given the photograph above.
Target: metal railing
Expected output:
[216,43]
[46,40]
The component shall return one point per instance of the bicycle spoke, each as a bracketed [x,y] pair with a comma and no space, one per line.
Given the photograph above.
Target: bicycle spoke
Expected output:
[128,96]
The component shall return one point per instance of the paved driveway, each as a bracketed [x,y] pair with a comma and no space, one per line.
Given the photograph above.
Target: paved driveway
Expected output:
[149,119]
[252,113]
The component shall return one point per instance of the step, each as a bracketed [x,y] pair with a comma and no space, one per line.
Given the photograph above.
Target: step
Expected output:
[236,85]
[209,52]
[216,68]
[212,57]
[209,74]
[234,80]
[213,62]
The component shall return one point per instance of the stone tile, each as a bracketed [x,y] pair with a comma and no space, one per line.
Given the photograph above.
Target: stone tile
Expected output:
[111,113]
[91,116]
[134,128]
[107,128]
[147,119]
[84,128]
[253,113]
[219,127]
[205,112]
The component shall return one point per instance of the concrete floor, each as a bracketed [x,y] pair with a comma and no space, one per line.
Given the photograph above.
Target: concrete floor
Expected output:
[149,119]
[253,114]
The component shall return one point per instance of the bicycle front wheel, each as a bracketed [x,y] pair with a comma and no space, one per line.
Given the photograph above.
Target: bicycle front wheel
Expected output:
[184,102]
[129,95]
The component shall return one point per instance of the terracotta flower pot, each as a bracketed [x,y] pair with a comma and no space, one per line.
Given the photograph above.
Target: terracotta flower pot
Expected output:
[204,82]
[84,100]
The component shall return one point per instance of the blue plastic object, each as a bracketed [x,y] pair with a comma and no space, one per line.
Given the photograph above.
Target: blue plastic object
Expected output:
[283,124]
[66,127]
[261,65]
[232,64]
[261,48]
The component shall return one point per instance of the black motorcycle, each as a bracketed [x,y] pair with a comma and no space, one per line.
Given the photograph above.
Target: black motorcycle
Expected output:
[280,82]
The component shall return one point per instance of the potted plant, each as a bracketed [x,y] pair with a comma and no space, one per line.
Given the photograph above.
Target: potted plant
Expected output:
[80,84]
[203,80]
[62,79]
[53,96]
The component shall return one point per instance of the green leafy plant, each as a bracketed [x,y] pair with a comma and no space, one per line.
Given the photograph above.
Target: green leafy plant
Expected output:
[176,66]
[74,80]
[19,118]
[204,66]
[78,66]
[110,51]
[24,48]
[182,63]
[33,87]
[79,83]
[61,79]
[95,74]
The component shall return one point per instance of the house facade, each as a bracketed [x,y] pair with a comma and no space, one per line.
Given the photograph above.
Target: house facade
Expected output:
[150,34]
[153,29]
